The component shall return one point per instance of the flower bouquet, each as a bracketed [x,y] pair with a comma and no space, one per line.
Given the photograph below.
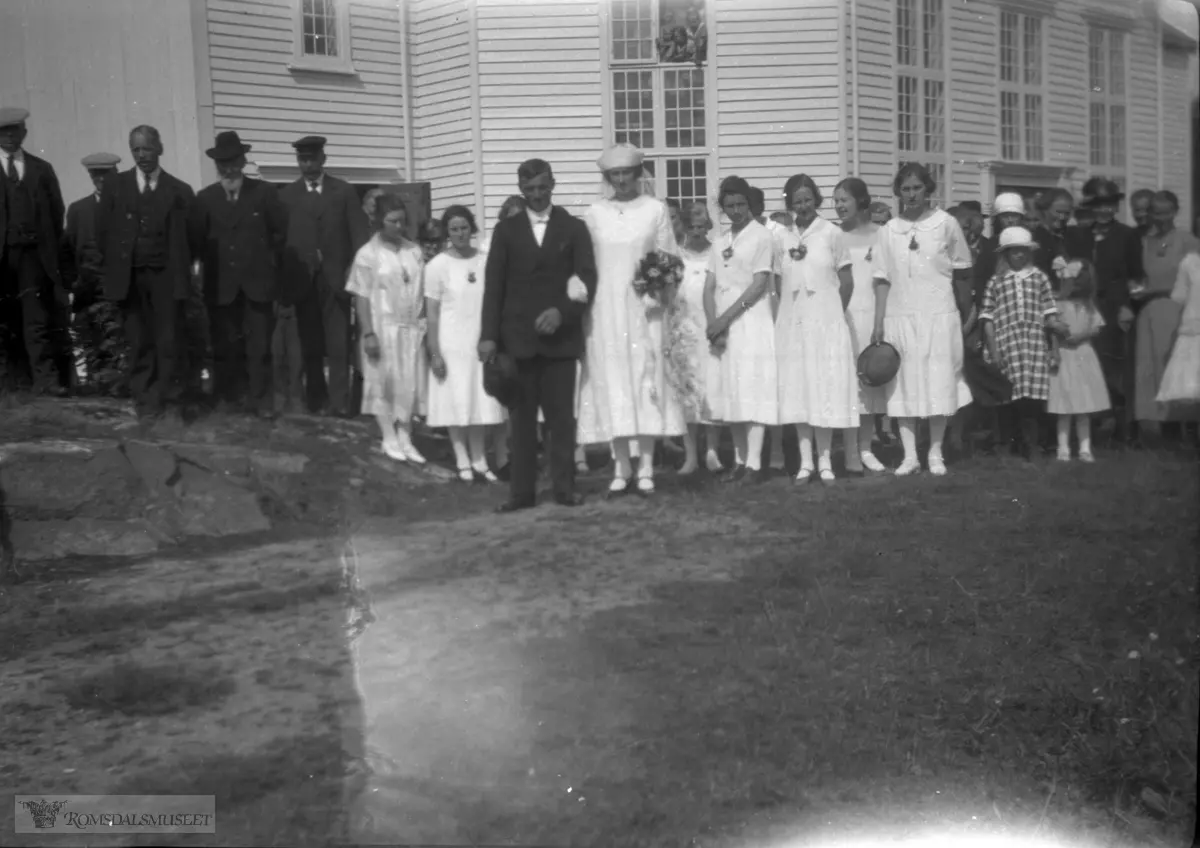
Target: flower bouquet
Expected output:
[658,276]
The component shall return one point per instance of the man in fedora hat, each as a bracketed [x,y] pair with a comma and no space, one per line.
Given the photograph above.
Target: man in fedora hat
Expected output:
[1115,252]
[31,286]
[83,273]
[326,227]
[141,233]
[240,227]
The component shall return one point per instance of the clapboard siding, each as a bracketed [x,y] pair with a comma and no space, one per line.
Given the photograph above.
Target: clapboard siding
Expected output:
[876,97]
[785,57]
[1067,138]
[1145,121]
[540,96]
[441,68]
[1178,82]
[974,62]
[362,116]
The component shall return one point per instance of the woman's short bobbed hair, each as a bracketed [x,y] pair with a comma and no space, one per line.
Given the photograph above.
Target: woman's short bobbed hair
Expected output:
[388,202]
[458,211]
[731,186]
[857,189]
[1166,196]
[797,182]
[914,169]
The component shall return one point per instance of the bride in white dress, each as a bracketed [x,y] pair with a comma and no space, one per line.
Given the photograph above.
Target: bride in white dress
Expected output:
[624,394]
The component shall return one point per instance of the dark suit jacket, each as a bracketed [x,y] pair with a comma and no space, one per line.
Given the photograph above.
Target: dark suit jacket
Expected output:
[42,183]
[1117,259]
[523,280]
[324,233]
[81,267]
[240,244]
[117,229]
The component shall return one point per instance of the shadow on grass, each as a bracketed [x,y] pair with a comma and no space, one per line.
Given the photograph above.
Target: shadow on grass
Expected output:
[134,689]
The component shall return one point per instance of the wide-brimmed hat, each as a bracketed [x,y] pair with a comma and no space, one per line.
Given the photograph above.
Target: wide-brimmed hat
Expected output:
[1101,192]
[228,146]
[622,155]
[500,379]
[878,365]
[1010,201]
[1016,237]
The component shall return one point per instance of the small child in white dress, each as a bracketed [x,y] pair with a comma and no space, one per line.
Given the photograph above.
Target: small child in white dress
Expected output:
[1077,387]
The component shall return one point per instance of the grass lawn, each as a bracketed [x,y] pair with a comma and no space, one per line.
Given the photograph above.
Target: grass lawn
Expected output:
[1008,648]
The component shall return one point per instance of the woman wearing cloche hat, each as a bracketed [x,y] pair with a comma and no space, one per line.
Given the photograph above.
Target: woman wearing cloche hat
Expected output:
[624,393]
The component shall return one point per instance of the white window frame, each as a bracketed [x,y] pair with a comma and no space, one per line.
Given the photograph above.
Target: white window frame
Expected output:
[659,153]
[1023,89]
[340,64]
[1112,164]
[918,69]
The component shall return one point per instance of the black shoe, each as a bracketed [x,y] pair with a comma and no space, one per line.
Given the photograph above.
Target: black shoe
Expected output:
[737,474]
[504,472]
[755,478]
[573,499]
[514,506]
[803,479]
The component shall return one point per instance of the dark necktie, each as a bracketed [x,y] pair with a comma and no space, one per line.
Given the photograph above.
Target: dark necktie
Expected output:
[12,169]
[146,186]
[313,185]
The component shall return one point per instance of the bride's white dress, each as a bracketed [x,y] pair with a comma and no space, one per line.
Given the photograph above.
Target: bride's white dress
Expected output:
[623,387]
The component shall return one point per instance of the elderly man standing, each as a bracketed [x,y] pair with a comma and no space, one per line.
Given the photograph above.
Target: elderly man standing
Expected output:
[31,227]
[326,227]
[240,227]
[141,232]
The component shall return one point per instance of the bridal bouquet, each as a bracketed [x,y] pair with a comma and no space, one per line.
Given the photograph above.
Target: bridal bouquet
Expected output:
[658,276]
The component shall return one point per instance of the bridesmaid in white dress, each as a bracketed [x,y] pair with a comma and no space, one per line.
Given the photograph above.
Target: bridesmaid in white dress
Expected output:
[624,394]
[386,280]
[818,390]
[696,252]
[453,310]
[742,388]
[852,202]
[921,261]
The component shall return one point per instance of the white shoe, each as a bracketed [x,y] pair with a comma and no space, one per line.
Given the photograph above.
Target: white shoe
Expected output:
[1064,455]
[618,486]
[394,451]
[826,475]
[645,485]
[871,462]
[466,475]
[688,468]
[937,466]
[1086,456]
[411,454]
[907,467]
[713,463]
[581,467]
[486,474]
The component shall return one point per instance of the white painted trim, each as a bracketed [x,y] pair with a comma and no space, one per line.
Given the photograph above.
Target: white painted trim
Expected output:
[948,90]
[843,153]
[205,117]
[481,215]
[1159,32]
[407,106]
[606,122]
[712,110]
[855,107]
[1019,87]
[343,63]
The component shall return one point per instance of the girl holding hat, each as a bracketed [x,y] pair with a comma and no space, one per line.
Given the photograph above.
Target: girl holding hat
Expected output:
[742,389]
[624,394]
[1077,389]
[922,283]
[1018,311]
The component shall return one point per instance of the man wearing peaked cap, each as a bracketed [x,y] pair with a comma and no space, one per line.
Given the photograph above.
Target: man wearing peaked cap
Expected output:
[326,227]
[31,287]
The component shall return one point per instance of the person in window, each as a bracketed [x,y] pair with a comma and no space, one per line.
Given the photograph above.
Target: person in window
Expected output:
[624,393]
[672,39]
[1116,254]
[1158,315]
[1139,208]
[697,37]
[922,291]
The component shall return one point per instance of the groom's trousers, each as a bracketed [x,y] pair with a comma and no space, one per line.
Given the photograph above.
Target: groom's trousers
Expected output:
[549,384]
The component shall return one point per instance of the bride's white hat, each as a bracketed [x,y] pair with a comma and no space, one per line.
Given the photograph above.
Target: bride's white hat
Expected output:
[622,155]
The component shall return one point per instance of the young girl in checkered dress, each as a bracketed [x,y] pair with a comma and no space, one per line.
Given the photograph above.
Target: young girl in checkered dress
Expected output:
[1018,308]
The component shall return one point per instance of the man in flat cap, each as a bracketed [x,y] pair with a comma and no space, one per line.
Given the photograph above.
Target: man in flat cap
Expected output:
[326,227]
[141,232]
[240,226]
[31,286]
[84,273]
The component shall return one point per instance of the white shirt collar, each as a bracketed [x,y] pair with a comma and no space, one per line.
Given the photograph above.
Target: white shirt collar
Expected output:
[320,183]
[19,156]
[534,217]
[152,178]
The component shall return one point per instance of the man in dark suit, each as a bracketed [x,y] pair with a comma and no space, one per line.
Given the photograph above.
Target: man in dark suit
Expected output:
[141,232]
[326,227]
[240,227]
[530,315]
[31,286]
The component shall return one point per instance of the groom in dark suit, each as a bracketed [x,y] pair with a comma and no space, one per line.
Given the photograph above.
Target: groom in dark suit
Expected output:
[531,315]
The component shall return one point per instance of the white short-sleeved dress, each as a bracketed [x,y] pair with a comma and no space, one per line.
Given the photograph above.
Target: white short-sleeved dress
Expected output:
[919,258]
[742,384]
[860,315]
[690,302]
[817,381]
[458,400]
[392,281]
[623,384]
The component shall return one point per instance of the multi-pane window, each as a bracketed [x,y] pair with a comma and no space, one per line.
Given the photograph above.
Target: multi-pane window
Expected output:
[657,56]
[921,85]
[1022,88]
[319,28]
[1107,100]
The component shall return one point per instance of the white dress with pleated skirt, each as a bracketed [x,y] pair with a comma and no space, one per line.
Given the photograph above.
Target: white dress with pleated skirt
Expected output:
[860,316]
[742,385]
[922,320]
[690,303]
[817,383]
[623,390]
[392,281]
[458,400]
